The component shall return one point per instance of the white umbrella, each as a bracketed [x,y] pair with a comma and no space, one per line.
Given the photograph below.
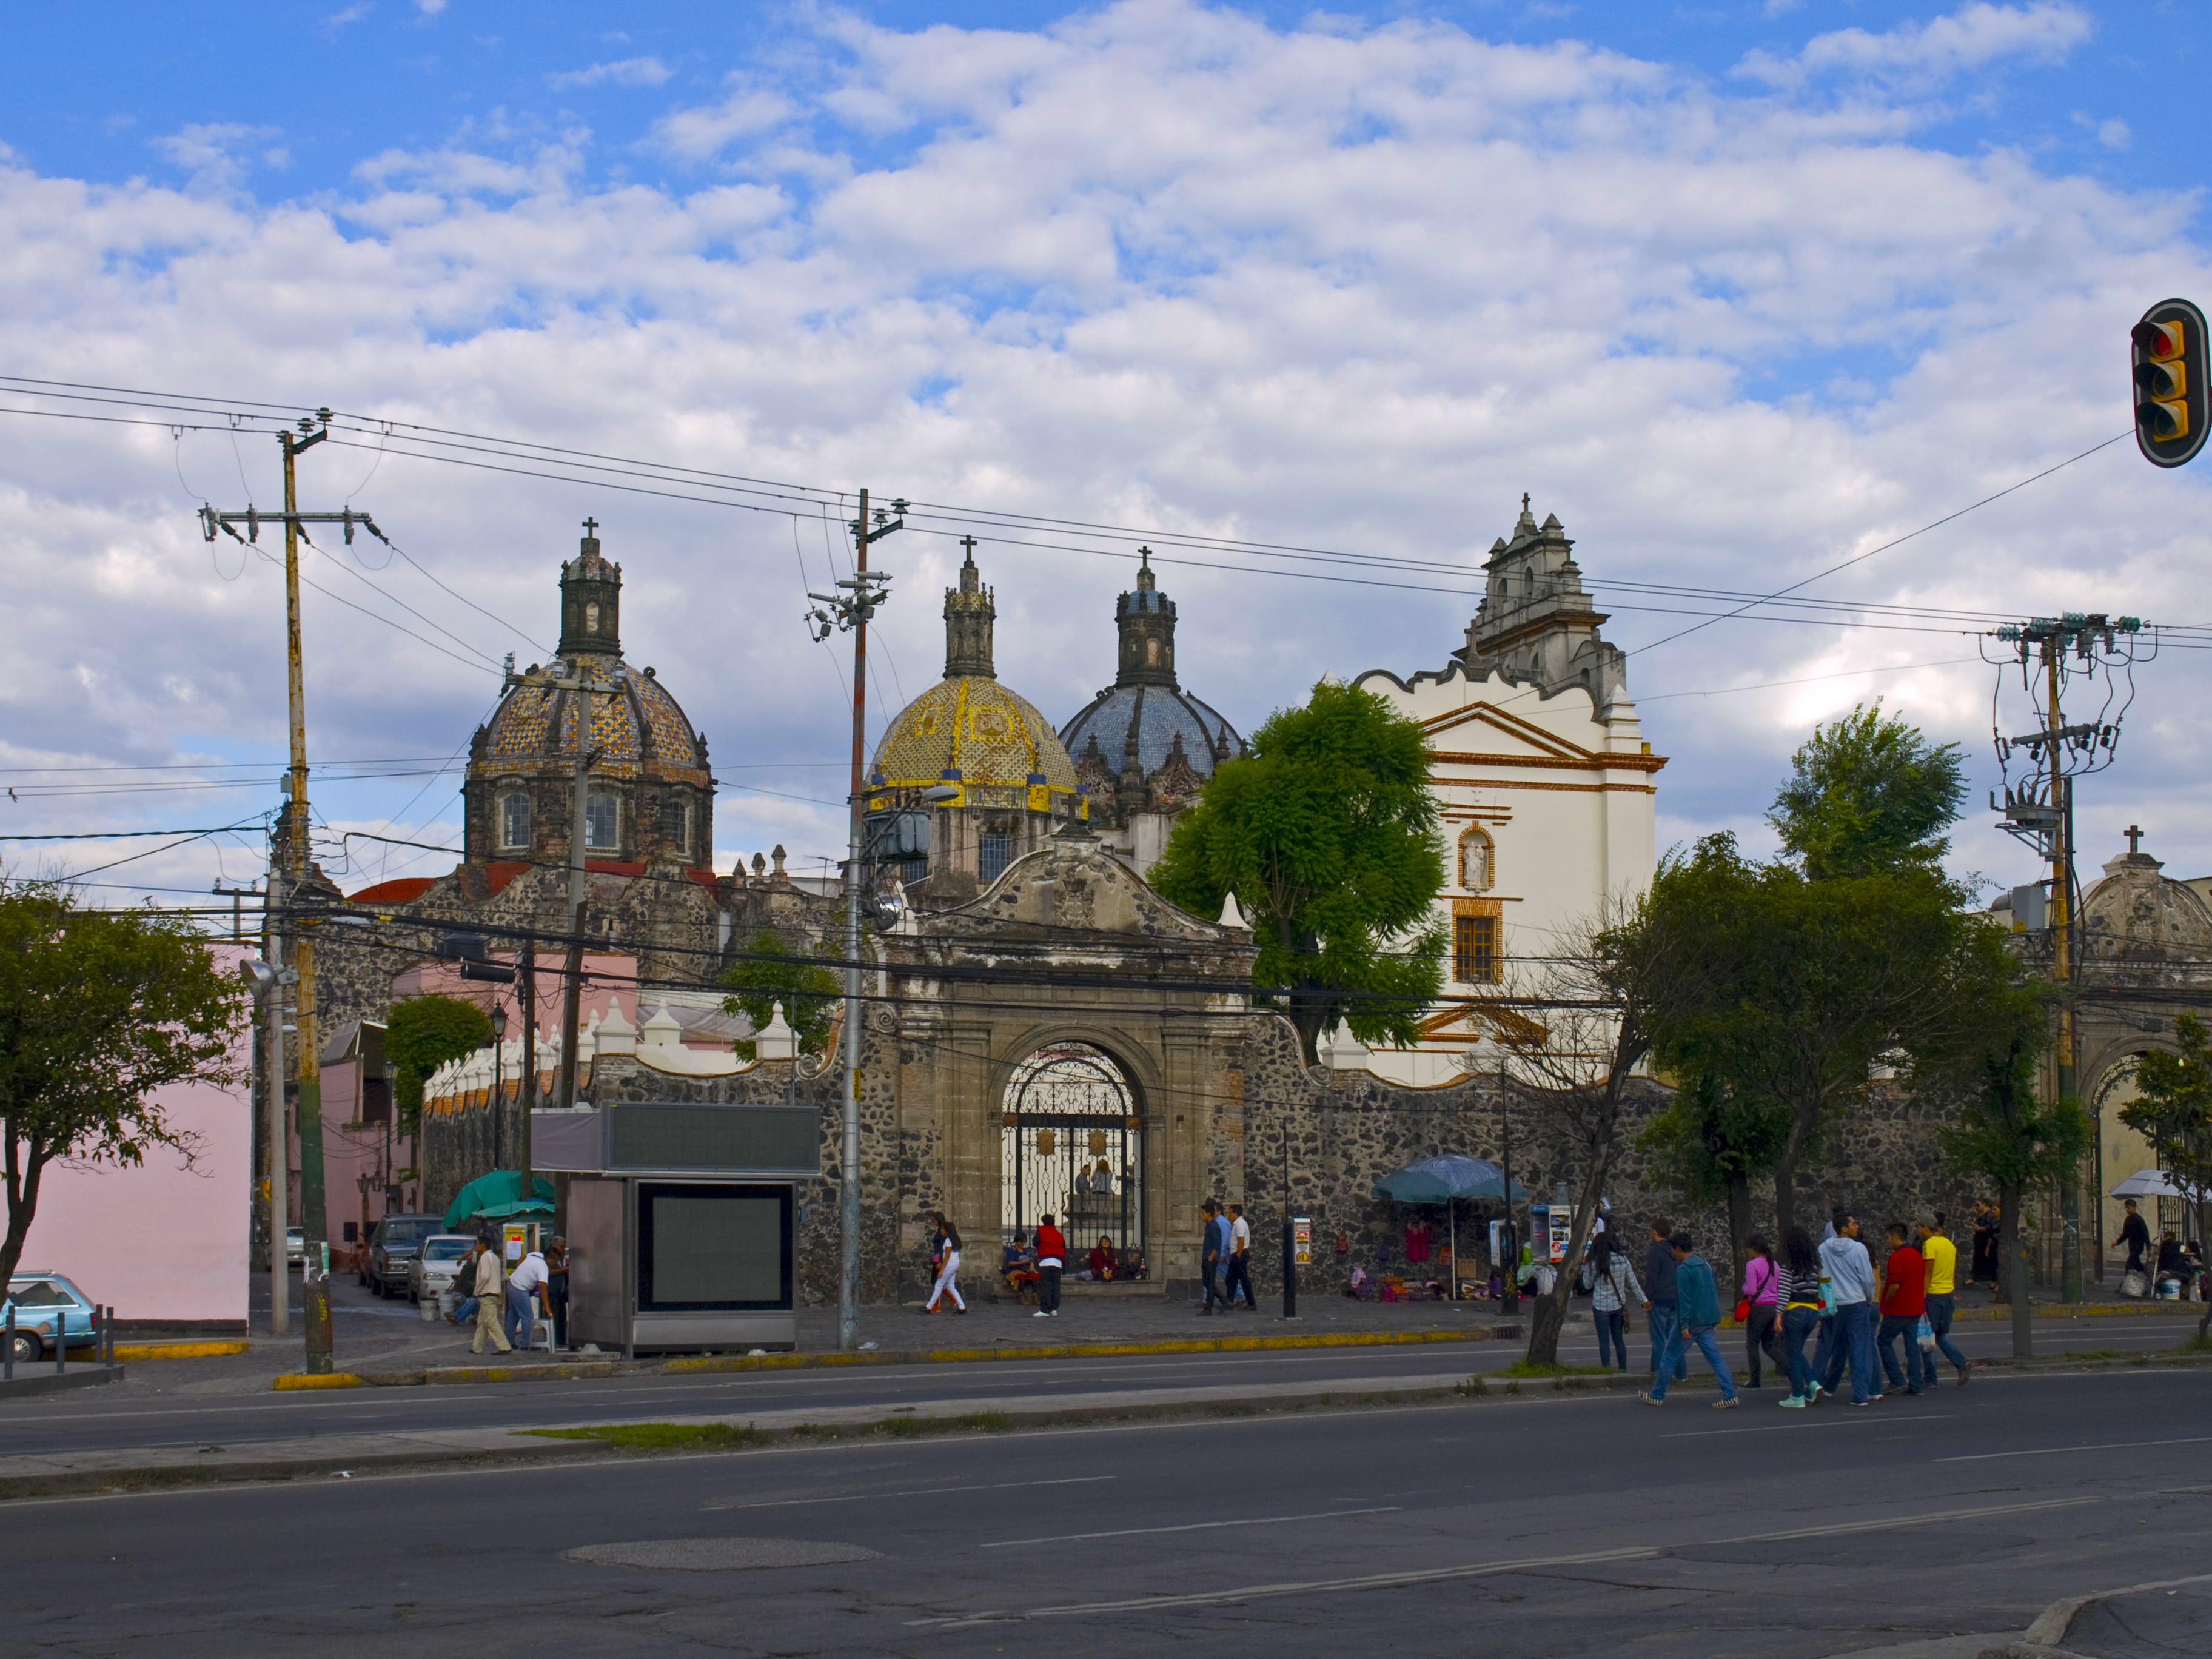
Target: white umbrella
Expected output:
[2150,1183]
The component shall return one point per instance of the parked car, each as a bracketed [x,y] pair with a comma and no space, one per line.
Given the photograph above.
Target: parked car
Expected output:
[295,1246]
[41,1301]
[434,1264]
[392,1246]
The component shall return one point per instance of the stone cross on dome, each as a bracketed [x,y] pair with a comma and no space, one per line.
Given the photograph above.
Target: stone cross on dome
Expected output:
[2135,839]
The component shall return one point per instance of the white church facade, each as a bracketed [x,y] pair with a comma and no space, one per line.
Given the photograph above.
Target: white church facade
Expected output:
[1544,782]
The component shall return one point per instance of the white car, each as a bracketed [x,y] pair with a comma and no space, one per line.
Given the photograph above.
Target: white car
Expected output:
[295,1245]
[433,1268]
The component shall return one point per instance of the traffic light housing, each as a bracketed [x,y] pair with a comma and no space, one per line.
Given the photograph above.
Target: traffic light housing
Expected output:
[2168,349]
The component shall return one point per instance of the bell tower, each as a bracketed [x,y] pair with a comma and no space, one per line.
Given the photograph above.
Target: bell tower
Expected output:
[1145,621]
[591,600]
[971,614]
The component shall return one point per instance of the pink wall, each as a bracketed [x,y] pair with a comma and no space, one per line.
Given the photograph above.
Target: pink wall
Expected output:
[165,1241]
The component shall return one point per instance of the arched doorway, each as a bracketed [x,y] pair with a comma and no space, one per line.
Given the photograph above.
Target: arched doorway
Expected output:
[1072,1146]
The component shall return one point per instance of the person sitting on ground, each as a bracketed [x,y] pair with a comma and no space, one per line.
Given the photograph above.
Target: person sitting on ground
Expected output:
[1102,1259]
[1018,1263]
[1356,1286]
[2170,1264]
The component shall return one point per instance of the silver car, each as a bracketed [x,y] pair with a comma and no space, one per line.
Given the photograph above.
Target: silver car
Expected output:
[434,1264]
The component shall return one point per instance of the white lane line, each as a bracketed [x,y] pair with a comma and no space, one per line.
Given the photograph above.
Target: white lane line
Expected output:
[1376,1580]
[1798,1428]
[2052,1451]
[1192,1526]
[1894,1522]
[912,1491]
[1254,1592]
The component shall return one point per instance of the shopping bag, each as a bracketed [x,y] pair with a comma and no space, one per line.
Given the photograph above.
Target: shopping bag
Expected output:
[2132,1283]
[1925,1332]
[1743,1311]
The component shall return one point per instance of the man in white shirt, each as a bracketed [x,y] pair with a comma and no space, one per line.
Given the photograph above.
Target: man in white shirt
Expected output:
[1240,1258]
[528,1278]
[1849,1270]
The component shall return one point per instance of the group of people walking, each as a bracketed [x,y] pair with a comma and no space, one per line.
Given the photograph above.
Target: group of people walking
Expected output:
[1857,1314]
[1224,1258]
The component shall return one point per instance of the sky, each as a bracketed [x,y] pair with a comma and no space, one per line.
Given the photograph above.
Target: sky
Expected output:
[1739,291]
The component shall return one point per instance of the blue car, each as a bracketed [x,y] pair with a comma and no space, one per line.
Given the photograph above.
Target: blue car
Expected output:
[42,1301]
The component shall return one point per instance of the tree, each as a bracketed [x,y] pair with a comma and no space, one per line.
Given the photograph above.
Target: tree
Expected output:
[1994,1024]
[811,996]
[98,1011]
[2173,1110]
[1710,1143]
[1867,793]
[1595,993]
[1795,988]
[420,1035]
[1327,834]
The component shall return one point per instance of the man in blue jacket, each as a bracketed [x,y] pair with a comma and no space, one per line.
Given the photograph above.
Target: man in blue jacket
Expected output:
[1697,1300]
[1213,1247]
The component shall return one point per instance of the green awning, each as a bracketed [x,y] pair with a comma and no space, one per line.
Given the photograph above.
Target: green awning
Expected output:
[498,1197]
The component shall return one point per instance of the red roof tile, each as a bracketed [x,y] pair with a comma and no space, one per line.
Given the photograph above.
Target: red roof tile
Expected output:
[404,889]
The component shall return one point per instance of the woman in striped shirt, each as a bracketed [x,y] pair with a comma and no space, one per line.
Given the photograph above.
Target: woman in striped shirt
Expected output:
[1798,1294]
[1613,1286]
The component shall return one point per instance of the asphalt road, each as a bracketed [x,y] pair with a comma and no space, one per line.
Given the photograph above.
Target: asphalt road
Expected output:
[1550,1527]
[86,1421]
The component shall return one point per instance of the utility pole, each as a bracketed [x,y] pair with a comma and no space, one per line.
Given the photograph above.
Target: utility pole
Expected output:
[2040,811]
[294,843]
[851,610]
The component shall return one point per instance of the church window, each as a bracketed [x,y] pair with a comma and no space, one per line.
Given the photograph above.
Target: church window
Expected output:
[592,617]
[1151,653]
[1478,868]
[515,820]
[992,856]
[1476,956]
[602,821]
[676,825]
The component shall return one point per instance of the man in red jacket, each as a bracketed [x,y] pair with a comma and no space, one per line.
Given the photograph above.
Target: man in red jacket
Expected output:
[1052,1256]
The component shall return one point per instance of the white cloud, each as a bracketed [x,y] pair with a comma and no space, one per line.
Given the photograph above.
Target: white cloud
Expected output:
[622,72]
[430,8]
[1159,265]
[353,14]
[1971,38]
[210,151]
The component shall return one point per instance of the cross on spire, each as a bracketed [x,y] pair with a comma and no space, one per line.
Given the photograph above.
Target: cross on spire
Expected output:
[2135,840]
[590,526]
[1524,501]
[969,542]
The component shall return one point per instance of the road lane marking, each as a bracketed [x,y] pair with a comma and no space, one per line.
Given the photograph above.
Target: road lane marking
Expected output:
[915,1491]
[1891,1524]
[2052,1451]
[1794,1428]
[1191,1526]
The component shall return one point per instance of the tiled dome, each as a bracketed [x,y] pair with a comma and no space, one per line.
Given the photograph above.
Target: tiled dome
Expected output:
[634,721]
[973,729]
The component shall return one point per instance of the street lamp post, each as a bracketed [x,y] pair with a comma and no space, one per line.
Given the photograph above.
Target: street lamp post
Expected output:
[1489,1047]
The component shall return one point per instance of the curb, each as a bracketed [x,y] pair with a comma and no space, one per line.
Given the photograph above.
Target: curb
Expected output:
[2046,1638]
[290,1381]
[53,1381]
[439,1375]
[965,1419]
[178,1350]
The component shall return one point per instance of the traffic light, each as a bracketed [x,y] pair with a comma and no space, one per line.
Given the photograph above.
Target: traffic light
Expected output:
[2172,416]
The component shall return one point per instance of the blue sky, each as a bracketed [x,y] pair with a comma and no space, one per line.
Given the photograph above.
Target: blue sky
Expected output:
[1737,290]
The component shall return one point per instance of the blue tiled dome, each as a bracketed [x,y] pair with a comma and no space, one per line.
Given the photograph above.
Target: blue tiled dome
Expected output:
[1160,714]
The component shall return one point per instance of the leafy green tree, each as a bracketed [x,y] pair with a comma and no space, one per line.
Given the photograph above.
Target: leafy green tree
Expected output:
[1327,834]
[97,1013]
[1798,988]
[1710,1143]
[1985,1054]
[1868,792]
[810,995]
[420,1035]
[2173,1110]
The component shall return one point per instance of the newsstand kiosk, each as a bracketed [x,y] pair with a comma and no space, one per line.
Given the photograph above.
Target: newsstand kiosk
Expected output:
[681,1226]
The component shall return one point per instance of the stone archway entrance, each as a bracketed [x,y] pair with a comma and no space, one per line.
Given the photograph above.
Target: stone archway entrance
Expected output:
[1071,1145]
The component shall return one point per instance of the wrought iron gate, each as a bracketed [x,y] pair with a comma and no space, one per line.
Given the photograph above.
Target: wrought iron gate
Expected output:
[1073,1147]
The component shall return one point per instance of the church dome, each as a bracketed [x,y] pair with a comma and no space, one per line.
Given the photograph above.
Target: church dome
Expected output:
[1144,743]
[968,729]
[975,731]
[651,793]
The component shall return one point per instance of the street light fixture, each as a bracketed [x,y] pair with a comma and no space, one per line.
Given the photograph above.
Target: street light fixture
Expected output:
[498,1071]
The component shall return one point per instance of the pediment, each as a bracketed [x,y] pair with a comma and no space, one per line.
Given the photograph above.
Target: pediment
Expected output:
[1484,728]
[1075,883]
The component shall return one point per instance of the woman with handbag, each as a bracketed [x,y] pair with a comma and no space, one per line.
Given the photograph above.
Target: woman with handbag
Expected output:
[1760,1310]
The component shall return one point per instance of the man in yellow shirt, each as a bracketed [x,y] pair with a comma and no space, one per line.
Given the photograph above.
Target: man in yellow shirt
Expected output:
[1942,1257]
